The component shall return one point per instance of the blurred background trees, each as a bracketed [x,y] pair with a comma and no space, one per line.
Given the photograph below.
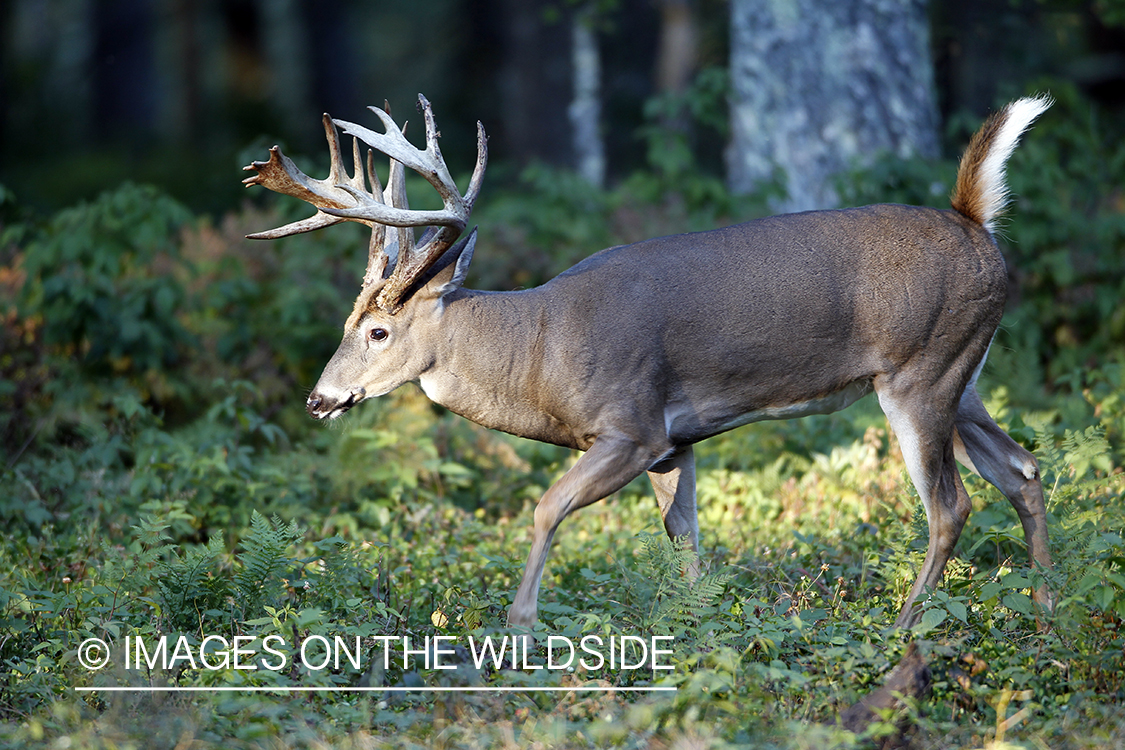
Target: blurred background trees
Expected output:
[124,125]
[179,92]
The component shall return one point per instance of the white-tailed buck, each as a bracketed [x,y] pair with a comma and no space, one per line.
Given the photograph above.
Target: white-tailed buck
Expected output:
[641,351]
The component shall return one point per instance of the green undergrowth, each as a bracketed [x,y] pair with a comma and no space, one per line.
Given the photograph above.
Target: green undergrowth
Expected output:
[806,555]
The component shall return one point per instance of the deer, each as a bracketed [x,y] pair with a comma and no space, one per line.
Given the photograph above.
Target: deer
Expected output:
[642,350]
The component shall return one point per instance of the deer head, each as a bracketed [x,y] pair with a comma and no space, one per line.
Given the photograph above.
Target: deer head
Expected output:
[406,280]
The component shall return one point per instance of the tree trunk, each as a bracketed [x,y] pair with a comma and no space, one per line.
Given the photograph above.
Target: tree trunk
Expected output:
[586,109]
[818,85]
[676,55]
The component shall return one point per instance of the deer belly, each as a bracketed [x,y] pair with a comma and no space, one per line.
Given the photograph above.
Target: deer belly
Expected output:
[687,422]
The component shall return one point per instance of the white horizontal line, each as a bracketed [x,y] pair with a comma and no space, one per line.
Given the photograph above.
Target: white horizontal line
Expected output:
[333,689]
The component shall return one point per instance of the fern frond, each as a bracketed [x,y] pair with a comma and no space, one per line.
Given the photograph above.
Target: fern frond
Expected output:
[263,557]
[188,586]
[670,602]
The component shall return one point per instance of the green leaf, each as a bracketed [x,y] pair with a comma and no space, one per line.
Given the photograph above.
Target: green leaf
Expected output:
[1018,602]
[1103,597]
[931,618]
[958,610]
[990,591]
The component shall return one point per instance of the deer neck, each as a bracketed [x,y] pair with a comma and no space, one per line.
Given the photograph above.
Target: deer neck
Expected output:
[495,376]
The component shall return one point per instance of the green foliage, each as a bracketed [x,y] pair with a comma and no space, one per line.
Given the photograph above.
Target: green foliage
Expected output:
[1112,12]
[100,278]
[665,601]
[1068,241]
[189,590]
[671,122]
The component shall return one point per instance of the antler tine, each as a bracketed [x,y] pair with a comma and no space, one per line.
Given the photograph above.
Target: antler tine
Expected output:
[281,175]
[337,175]
[335,161]
[396,197]
[376,187]
[478,170]
[357,167]
[434,150]
[377,258]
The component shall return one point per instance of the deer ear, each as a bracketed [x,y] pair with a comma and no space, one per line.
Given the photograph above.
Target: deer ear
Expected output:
[453,276]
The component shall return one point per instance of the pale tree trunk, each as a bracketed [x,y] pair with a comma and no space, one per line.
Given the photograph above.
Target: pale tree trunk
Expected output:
[676,51]
[585,109]
[820,85]
[677,54]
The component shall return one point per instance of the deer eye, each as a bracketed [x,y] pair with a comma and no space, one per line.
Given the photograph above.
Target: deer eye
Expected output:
[378,334]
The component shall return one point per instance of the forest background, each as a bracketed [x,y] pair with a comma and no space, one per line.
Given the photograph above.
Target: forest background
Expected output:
[158,474]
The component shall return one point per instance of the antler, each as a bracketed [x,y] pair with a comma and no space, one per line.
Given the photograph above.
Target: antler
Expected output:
[340,198]
[281,175]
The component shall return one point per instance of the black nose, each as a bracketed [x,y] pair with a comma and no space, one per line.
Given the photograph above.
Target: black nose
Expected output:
[321,406]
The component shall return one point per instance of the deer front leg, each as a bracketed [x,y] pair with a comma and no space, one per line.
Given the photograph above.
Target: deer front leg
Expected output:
[611,463]
[673,480]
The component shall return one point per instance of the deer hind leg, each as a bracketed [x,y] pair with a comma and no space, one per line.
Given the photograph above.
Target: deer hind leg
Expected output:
[925,434]
[673,480]
[986,450]
[609,464]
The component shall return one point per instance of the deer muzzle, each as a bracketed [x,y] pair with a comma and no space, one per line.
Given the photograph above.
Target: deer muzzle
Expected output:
[326,404]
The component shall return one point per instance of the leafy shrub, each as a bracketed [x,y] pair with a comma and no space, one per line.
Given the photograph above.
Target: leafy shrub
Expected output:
[102,278]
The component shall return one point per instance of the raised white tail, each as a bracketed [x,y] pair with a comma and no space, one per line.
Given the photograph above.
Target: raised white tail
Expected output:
[981,192]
